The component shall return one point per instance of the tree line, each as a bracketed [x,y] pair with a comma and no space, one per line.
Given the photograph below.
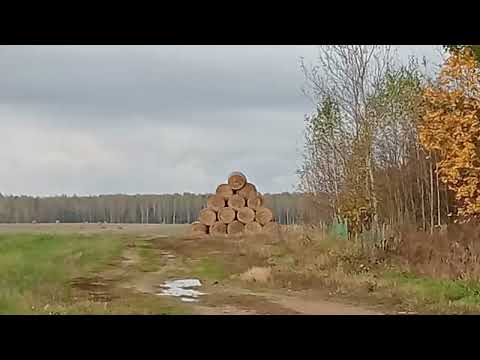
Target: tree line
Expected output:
[183,208]
[390,142]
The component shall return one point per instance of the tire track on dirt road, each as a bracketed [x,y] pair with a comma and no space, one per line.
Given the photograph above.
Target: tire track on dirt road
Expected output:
[235,300]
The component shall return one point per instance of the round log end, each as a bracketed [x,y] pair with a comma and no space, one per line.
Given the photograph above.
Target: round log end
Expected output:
[253,228]
[198,228]
[255,201]
[207,217]
[236,202]
[216,202]
[263,215]
[226,215]
[246,215]
[218,228]
[237,180]
[224,190]
[247,190]
[236,227]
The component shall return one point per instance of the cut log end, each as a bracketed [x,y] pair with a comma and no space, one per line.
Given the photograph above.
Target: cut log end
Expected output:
[237,180]
[218,228]
[247,190]
[226,215]
[216,202]
[263,215]
[224,190]
[255,201]
[207,217]
[253,228]
[235,227]
[236,202]
[198,228]
[246,215]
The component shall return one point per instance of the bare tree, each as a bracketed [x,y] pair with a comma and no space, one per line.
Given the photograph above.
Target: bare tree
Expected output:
[351,76]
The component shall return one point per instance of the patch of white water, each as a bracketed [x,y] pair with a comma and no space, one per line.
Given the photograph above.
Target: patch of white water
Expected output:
[189,299]
[182,288]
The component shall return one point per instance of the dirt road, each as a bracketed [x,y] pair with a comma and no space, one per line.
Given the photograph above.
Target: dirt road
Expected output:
[222,295]
[296,304]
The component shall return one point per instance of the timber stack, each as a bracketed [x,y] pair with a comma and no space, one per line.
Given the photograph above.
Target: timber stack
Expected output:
[235,208]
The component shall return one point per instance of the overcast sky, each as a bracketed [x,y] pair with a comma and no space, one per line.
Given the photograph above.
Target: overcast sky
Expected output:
[151,119]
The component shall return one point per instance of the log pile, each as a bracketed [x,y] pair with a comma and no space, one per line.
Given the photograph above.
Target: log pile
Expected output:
[235,208]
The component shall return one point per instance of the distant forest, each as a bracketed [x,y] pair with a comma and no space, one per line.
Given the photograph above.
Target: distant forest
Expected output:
[288,208]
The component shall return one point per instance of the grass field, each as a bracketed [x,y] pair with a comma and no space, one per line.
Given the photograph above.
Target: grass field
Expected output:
[38,262]
[125,229]
[35,267]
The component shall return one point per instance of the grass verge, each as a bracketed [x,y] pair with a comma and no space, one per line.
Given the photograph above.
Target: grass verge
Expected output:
[396,281]
[35,268]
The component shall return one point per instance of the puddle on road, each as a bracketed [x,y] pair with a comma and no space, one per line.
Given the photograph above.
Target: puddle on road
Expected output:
[182,288]
[168,255]
[189,299]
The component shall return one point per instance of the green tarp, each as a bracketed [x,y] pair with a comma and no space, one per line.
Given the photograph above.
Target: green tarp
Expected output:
[339,230]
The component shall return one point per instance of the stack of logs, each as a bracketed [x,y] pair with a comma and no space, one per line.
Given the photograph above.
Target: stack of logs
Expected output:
[235,208]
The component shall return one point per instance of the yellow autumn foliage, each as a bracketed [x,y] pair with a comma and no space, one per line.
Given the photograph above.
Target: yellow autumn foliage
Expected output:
[450,127]
[353,197]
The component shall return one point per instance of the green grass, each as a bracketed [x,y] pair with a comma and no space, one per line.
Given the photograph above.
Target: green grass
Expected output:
[149,259]
[439,291]
[208,268]
[35,268]
[126,303]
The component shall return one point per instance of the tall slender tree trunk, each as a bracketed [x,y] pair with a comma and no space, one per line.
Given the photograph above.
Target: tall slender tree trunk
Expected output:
[392,204]
[335,182]
[421,188]
[446,204]
[373,195]
[432,198]
[438,195]
[399,205]
[412,203]
[406,214]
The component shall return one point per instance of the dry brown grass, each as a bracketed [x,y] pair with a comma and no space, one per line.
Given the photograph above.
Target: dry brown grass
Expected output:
[257,274]
[415,271]
[452,255]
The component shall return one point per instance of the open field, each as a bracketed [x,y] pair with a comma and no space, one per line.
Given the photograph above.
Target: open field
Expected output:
[42,266]
[119,268]
[93,228]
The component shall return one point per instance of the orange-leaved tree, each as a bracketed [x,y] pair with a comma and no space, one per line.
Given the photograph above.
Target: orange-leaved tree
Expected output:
[450,127]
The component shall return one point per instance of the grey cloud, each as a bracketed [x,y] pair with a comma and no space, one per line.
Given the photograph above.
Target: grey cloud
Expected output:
[134,119]
[150,80]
